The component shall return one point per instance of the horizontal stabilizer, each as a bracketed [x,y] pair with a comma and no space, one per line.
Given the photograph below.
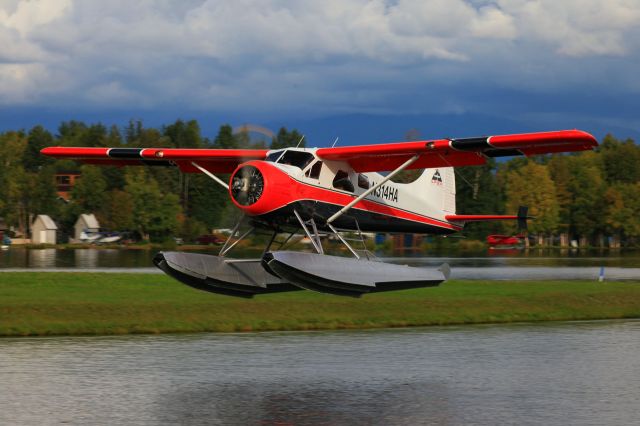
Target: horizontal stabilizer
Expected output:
[479,217]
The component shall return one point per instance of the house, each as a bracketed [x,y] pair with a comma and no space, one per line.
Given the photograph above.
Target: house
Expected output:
[43,230]
[65,180]
[86,223]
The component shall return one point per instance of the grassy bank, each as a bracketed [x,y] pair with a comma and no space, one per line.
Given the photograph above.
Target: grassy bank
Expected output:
[41,304]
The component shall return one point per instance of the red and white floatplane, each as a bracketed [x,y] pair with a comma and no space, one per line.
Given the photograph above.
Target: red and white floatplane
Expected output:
[328,192]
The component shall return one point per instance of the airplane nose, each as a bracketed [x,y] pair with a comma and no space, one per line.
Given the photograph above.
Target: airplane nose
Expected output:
[247,185]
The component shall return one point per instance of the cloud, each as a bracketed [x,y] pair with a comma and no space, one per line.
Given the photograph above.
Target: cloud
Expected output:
[492,22]
[577,27]
[24,16]
[316,57]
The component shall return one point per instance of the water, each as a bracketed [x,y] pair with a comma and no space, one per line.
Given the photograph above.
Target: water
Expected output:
[19,257]
[493,265]
[580,373]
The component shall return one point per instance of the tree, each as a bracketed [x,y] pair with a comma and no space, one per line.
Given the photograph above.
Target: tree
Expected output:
[531,186]
[478,192]
[42,195]
[89,191]
[225,138]
[620,160]
[243,139]
[560,171]
[12,180]
[181,135]
[70,132]
[94,135]
[587,187]
[184,135]
[207,200]
[622,211]
[285,139]
[37,139]
[155,212]
[117,211]
[114,138]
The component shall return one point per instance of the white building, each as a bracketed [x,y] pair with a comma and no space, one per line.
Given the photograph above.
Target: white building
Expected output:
[43,230]
[86,223]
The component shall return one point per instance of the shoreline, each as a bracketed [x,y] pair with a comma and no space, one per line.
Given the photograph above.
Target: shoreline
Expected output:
[63,304]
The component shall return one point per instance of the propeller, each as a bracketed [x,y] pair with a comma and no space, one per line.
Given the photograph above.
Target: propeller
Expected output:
[247,185]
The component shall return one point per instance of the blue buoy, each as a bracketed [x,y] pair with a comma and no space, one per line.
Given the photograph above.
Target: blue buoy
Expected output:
[601,277]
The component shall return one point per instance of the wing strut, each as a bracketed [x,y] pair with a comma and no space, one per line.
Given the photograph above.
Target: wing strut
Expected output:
[315,238]
[359,198]
[211,175]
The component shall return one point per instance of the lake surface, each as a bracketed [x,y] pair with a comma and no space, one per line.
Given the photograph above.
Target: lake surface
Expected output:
[510,265]
[577,373]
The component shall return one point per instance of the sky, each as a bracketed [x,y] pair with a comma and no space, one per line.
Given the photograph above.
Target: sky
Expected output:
[541,63]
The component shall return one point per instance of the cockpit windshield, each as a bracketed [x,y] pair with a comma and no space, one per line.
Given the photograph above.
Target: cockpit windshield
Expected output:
[274,156]
[295,158]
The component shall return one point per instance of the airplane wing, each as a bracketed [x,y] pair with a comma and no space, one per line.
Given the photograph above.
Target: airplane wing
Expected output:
[458,152]
[213,160]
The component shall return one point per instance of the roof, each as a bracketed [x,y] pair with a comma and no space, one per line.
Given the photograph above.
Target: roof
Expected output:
[47,221]
[89,220]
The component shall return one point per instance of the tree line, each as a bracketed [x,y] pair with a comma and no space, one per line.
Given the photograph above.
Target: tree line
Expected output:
[591,197]
[154,203]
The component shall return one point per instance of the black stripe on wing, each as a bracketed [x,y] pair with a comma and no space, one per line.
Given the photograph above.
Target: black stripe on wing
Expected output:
[482,145]
[130,153]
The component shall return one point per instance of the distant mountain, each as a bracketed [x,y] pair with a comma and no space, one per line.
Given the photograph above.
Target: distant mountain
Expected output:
[352,129]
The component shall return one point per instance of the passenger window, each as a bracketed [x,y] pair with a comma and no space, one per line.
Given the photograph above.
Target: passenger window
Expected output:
[314,171]
[342,181]
[363,181]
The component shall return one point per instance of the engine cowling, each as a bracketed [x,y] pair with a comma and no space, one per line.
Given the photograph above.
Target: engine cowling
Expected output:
[259,187]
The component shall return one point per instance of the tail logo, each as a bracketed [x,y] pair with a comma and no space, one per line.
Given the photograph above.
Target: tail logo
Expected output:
[436,178]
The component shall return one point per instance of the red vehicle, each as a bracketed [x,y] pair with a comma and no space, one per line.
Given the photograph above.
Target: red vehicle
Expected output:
[325,192]
[209,239]
[505,240]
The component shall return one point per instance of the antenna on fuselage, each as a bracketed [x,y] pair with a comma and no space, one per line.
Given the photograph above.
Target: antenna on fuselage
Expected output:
[335,142]
[301,139]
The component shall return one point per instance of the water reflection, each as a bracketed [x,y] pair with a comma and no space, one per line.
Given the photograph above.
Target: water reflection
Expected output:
[323,403]
[79,258]
[43,258]
[581,373]
[86,258]
[527,265]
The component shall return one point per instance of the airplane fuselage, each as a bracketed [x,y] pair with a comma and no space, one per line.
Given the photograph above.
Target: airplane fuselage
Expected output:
[295,179]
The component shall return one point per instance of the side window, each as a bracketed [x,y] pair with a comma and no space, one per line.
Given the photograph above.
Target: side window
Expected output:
[314,171]
[363,181]
[341,181]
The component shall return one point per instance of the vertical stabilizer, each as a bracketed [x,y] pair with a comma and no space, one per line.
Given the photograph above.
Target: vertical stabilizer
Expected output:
[436,191]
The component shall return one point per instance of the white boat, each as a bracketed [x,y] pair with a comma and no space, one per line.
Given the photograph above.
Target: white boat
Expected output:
[89,237]
[109,238]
